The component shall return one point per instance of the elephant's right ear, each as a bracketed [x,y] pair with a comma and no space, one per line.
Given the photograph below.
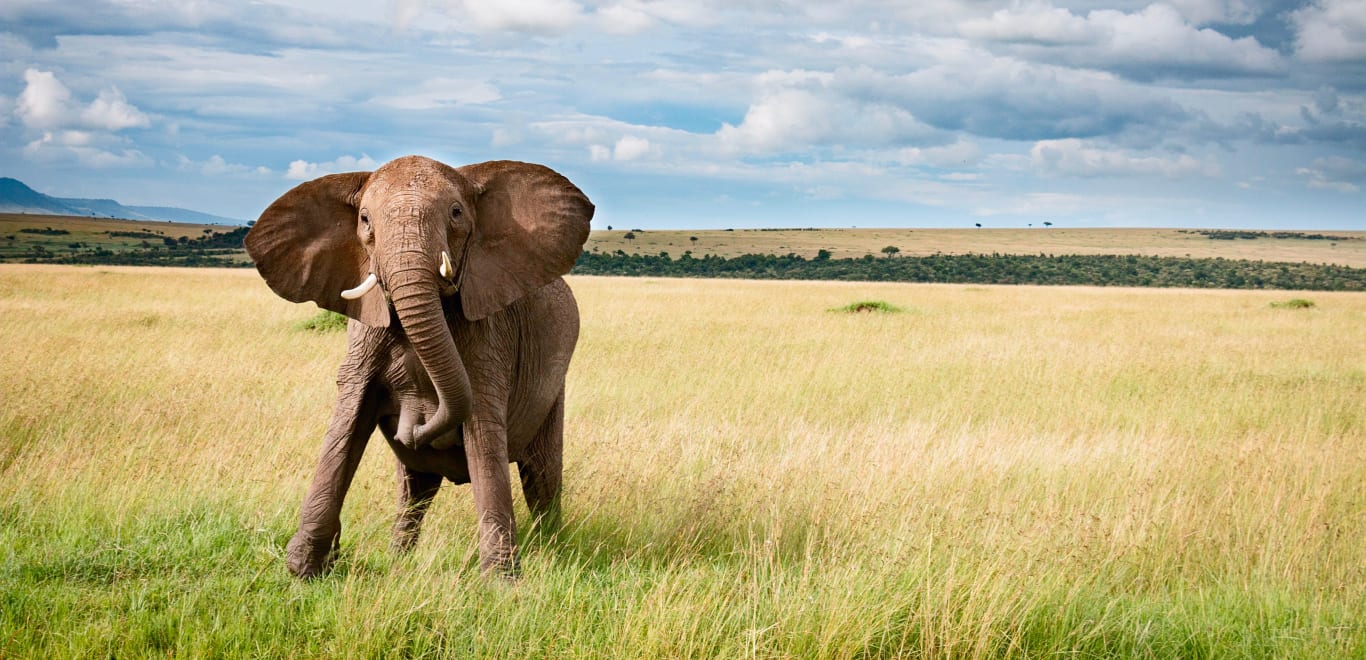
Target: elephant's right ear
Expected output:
[305,246]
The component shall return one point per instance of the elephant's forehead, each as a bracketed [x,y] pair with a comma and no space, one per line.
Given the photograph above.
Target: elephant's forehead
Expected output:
[427,179]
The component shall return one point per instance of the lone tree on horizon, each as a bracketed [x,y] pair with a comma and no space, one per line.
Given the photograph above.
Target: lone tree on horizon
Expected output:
[891,250]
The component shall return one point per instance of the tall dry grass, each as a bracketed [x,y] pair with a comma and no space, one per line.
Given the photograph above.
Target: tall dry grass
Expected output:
[993,471]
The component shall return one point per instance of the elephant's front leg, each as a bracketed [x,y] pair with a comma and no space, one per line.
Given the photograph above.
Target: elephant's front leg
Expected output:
[314,547]
[487,454]
[415,493]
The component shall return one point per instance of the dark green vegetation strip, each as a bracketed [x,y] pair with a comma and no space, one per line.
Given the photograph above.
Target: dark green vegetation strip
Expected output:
[224,249]
[215,249]
[1091,270]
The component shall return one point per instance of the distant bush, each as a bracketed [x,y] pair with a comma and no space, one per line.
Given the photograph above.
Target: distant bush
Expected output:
[45,231]
[1293,303]
[325,321]
[868,306]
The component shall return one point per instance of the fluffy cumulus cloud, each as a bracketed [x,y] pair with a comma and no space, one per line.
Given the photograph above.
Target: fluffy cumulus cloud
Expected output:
[1155,41]
[112,112]
[217,166]
[300,170]
[1331,30]
[45,101]
[62,129]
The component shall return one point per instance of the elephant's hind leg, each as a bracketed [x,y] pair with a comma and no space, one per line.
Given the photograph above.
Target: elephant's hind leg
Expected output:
[542,471]
[415,493]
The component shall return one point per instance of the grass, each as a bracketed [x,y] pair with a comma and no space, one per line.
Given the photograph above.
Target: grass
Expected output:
[1007,472]
[323,322]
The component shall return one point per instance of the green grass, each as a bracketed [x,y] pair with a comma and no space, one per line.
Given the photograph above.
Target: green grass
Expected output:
[324,321]
[868,306]
[1008,471]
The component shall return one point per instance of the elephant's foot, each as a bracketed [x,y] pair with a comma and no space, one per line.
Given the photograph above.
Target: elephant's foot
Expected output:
[507,567]
[309,557]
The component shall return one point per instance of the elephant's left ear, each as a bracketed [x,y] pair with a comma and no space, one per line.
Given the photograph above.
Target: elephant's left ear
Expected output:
[530,225]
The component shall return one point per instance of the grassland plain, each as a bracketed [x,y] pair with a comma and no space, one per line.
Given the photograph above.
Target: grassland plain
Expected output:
[90,234]
[853,243]
[992,471]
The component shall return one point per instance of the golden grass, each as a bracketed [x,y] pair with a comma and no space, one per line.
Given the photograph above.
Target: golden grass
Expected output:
[921,242]
[750,474]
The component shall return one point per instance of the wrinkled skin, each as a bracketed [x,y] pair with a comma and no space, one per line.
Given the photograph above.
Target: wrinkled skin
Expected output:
[465,372]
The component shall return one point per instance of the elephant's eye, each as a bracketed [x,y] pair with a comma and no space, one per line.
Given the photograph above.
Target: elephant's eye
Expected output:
[455,212]
[365,217]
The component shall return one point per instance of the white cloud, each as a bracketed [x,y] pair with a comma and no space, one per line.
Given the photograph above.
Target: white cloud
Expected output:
[85,148]
[45,101]
[546,17]
[798,110]
[598,153]
[112,112]
[630,147]
[216,165]
[1156,41]
[1031,22]
[1331,30]
[1072,157]
[300,170]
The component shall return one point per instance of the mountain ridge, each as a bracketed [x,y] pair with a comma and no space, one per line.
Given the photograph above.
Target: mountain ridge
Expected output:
[17,197]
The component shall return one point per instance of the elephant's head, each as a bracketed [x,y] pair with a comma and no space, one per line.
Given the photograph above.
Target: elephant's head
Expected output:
[415,231]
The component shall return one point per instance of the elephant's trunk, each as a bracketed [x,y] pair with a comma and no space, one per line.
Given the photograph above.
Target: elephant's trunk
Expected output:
[414,289]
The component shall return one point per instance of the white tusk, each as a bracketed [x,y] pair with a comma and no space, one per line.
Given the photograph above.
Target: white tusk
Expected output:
[446,270]
[362,289]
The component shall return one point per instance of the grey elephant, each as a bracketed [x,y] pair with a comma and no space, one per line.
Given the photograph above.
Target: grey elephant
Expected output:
[460,334]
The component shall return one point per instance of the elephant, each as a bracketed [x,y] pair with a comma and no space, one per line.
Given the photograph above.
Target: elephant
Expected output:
[460,333]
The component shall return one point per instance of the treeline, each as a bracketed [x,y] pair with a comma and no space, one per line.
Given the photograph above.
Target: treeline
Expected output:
[1093,270]
[1234,234]
[213,249]
[154,256]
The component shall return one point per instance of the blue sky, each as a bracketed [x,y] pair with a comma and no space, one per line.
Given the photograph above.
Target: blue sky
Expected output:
[706,114]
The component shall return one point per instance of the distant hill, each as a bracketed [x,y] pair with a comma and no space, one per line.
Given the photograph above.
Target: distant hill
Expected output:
[16,197]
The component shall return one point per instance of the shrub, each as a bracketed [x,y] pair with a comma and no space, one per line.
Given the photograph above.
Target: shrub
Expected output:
[325,321]
[1293,303]
[868,306]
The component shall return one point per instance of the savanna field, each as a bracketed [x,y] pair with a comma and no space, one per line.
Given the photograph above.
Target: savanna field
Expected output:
[991,471]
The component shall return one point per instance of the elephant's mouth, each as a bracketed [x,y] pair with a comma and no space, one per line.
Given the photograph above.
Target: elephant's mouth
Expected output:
[449,274]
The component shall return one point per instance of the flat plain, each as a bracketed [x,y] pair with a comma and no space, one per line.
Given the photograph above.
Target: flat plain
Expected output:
[1348,250]
[1345,248]
[992,471]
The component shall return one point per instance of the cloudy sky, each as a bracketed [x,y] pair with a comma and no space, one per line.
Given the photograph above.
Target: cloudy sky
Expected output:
[713,114]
